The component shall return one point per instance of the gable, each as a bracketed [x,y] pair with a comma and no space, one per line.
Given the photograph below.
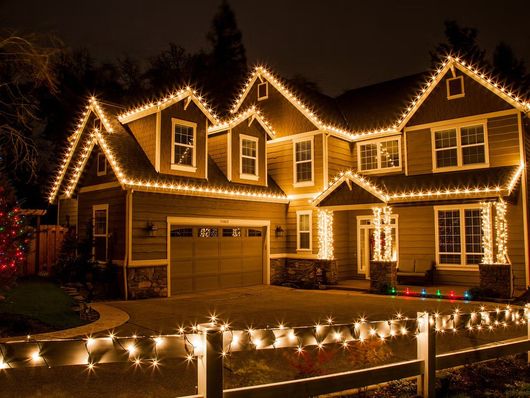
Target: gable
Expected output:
[349,194]
[90,175]
[477,100]
[144,130]
[281,113]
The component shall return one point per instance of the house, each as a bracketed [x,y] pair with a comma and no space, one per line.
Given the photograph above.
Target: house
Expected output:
[431,165]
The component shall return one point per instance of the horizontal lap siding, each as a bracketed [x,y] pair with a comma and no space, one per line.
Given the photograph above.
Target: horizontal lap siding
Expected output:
[503,137]
[155,208]
[217,149]
[342,245]
[516,249]
[144,130]
[340,156]
[115,198]
[281,166]
[416,233]
[419,155]
[68,211]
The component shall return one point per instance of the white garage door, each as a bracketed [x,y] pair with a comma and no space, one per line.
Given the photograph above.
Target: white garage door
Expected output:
[213,257]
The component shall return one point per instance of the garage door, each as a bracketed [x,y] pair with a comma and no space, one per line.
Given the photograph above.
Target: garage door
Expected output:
[213,257]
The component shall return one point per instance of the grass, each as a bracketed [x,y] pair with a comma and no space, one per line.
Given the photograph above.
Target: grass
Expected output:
[41,300]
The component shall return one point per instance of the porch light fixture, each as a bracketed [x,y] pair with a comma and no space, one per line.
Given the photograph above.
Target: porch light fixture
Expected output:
[278,232]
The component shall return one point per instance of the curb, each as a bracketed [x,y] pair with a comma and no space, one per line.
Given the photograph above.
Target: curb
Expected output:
[109,318]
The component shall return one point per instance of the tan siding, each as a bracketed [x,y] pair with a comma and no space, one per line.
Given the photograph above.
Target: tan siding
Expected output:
[341,156]
[90,173]
[280,166]
[294,206]
[503,137]
[155,208]
[144,130]
[343,244]
[477,100]
[254,130]
[217,149]
[191,114]
[115,198]
[283,116]
[419,152]
[68,212]
[516,250]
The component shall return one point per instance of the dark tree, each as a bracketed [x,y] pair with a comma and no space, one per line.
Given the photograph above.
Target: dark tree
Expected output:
[132,79]
[228,60]
[460,41]
[168,70]
[509,68]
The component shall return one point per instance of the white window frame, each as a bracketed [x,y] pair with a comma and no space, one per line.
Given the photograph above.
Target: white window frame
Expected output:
[463,94]
[246,176]
[264,97]
[463,253]
[99,156]
[459,147]
[298,231]
[310,183]
[106,235]
[379,169]
[182,167]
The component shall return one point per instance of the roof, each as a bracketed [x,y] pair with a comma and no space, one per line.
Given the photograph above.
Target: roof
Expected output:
[379,105]
[490,182]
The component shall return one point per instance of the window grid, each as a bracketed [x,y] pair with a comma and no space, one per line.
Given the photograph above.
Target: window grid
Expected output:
[304,161]
[460,236]
[249,156]
[304,231]
[462,146]
[184,142]
[100,222]
[379,155]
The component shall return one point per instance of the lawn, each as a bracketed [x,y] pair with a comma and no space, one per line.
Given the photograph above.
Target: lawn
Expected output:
[35,306]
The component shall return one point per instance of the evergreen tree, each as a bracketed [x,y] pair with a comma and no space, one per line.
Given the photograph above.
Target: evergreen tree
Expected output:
[510,69]
[228,60]
[460,41]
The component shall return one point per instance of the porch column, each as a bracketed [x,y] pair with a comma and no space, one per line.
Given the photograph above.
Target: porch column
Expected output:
[325,234]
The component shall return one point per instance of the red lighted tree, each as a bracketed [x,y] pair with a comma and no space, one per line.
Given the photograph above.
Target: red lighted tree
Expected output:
[14,238]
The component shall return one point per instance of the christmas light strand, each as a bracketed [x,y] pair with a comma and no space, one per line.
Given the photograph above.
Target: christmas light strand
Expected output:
[251,112]
[325,235]
[501,232]
[487,241]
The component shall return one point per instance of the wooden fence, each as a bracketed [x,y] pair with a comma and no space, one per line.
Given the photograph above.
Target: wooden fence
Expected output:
[210,343]
[44,248]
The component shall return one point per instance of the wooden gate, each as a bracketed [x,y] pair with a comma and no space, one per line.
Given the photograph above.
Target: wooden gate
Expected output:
[44,249]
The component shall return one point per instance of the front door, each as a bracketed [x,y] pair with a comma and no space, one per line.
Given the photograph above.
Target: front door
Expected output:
[365,243]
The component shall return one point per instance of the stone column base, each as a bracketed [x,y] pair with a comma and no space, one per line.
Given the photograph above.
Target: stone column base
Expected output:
[383,275]
[496,279]
[147,282]
[303,273]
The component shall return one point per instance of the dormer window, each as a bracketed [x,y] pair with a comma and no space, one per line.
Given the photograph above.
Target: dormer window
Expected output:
[248,157]
[263,91]
[380,155]
[455,87]
[101,164]
[183,145]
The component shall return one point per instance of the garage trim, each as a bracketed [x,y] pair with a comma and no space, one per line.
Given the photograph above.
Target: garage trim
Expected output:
[194,221]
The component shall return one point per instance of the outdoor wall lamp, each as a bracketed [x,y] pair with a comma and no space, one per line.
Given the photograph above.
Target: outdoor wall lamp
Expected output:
[151,228]
[278,232]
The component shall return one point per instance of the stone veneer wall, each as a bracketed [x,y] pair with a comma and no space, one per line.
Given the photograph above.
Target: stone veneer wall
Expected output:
[383,275]
[497,279]
[303,273]
[146,282]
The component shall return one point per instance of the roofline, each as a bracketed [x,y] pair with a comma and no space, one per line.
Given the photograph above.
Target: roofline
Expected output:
[414,196]
[251,112]
[161,104]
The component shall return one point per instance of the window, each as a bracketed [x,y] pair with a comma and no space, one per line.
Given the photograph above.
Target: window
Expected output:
[380,155]
[263,91]
[455,87]
[253,232]
[303,228]
[101,164]
[182,232]
[208,232]
[303,163]
[100,232]
[183,145]
[459,231]
[231,232]
[460,147]
[249,157]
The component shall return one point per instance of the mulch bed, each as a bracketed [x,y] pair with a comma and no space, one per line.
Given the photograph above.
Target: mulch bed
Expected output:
[20,325]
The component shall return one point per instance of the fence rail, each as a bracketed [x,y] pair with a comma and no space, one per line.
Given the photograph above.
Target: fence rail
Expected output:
[210,343]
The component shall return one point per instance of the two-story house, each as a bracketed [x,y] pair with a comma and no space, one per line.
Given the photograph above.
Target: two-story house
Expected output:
[181,201]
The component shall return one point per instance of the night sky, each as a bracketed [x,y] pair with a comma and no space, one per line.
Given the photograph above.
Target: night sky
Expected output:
[338,44]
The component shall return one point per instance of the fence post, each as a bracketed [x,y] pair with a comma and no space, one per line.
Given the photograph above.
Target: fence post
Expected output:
[210,361]
[527,313]
[426,342]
